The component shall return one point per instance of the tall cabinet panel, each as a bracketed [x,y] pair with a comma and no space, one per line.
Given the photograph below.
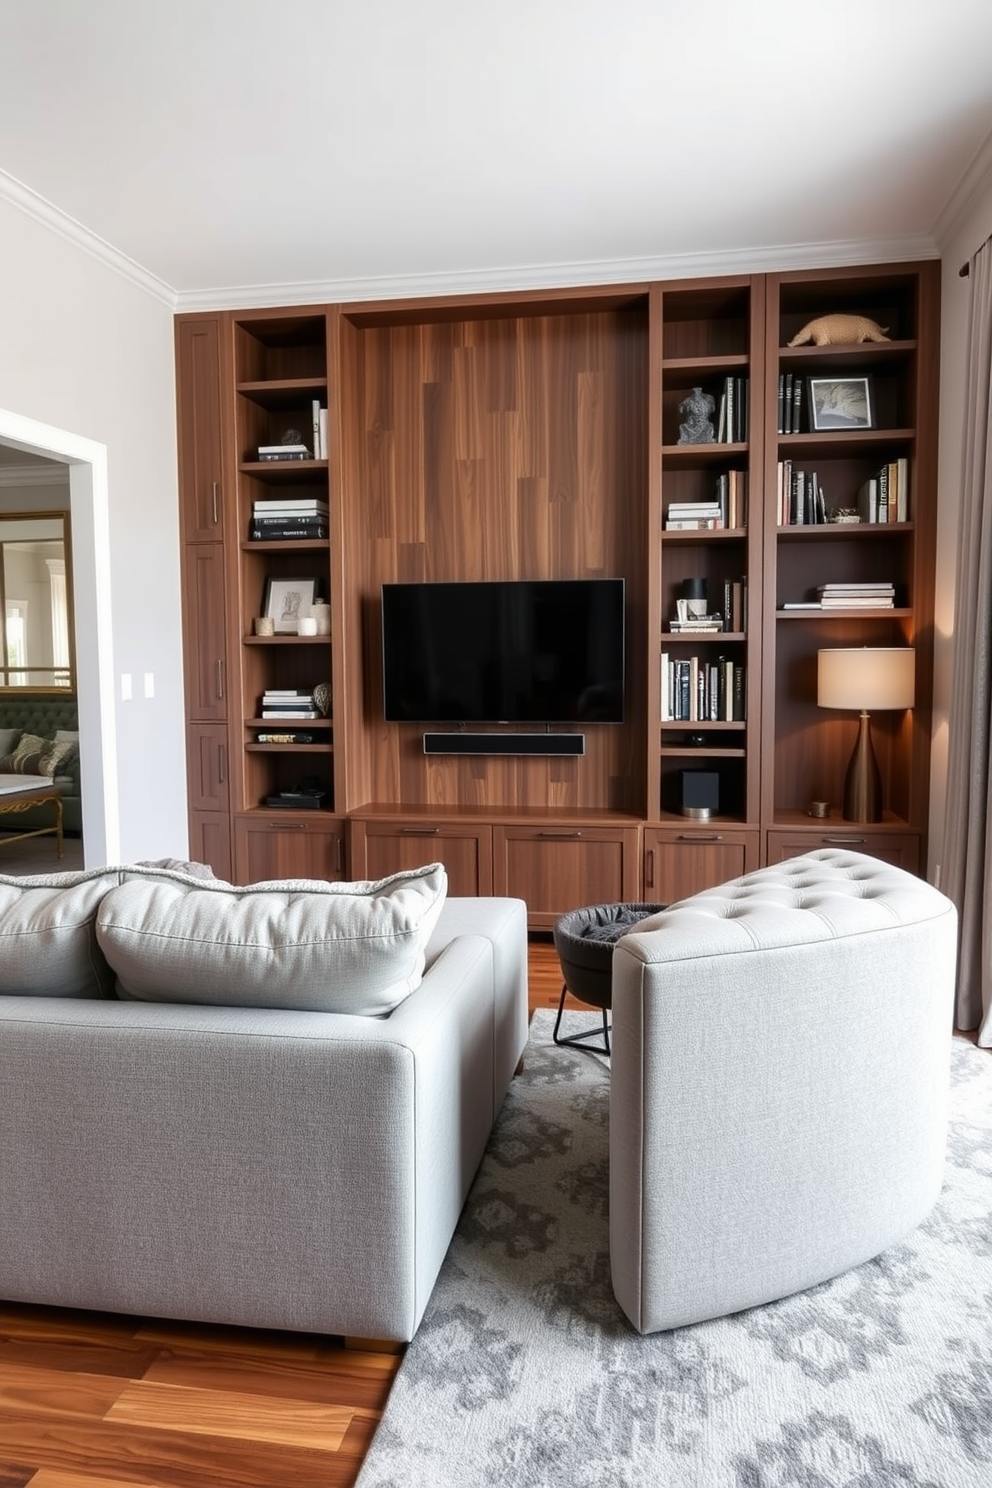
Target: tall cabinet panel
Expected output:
[202,512]
[850,509]
[706,533]
[283,766]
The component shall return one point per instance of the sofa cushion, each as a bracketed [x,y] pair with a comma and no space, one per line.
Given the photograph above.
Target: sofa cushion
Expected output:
[303,944]
[48,942]
[34,755]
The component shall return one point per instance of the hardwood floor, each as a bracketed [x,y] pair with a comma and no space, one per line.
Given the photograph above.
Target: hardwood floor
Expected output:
[93,1400]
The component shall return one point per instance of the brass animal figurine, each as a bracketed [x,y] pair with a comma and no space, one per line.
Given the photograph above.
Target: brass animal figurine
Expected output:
[839,330]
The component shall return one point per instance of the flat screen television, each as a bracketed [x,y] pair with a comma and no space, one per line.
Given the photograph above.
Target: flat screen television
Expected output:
[517,651]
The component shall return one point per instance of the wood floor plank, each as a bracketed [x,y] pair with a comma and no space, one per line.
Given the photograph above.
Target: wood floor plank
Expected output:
[25,1387]
[167,1459]
[54,1478]
[290,1379]
[15,1475]
[291,1423]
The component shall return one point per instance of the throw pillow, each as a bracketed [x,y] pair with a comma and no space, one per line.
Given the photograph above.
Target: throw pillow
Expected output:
[305,944]
[8,740]
[47,935]
[34,755]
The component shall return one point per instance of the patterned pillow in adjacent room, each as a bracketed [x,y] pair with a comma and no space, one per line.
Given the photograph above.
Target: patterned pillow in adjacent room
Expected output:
[34,755]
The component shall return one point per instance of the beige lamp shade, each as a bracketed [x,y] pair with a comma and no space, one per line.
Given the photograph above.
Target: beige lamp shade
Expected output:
[866,679]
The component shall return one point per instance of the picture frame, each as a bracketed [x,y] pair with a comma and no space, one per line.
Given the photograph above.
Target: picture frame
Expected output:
[287,601]
[840,403]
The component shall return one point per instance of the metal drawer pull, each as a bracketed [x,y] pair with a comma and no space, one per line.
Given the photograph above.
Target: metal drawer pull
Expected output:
[419,831]
[220,677]
[845,841]
[709,837]
[559,834]
[281,826]
[221,764]
[214,491]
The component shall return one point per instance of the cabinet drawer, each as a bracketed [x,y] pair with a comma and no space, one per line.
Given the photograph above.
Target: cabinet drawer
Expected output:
[901,849]
[558,868]
[677,864]
[303,846]
[378,848]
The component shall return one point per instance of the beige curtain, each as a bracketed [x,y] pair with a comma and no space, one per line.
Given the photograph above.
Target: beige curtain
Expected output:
[967,850]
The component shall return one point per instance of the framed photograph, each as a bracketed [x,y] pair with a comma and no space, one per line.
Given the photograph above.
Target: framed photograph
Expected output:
[840,403]
[287,601]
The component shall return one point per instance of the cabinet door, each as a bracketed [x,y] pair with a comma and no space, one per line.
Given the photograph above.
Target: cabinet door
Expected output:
[557,868]
[901,849]
[210,841]
[207,774]
[678,864]
[204,647]
[378,848]
[304,846]
[199,419]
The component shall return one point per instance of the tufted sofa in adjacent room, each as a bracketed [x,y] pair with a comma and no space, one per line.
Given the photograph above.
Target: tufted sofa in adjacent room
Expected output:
[46,716]
[779,1083]
[258,1105]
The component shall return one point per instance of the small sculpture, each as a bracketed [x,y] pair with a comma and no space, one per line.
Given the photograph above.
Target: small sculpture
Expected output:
[322,699]
[839,330]
[696,410]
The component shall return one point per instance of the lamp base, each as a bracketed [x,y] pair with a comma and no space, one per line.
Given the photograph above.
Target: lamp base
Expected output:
[863,783]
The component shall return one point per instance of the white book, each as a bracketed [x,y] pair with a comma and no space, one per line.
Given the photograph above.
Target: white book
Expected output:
[270,506]
[315,419]
[322,429]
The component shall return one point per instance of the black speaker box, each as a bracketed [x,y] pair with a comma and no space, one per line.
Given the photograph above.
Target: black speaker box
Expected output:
[700,792]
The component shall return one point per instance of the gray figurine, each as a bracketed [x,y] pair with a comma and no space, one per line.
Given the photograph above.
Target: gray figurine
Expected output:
[697,410]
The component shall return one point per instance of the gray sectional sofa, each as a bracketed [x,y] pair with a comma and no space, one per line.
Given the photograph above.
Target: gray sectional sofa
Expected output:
[259,1105]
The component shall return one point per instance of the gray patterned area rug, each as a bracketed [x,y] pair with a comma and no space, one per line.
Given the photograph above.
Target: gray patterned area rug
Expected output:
[525,1374]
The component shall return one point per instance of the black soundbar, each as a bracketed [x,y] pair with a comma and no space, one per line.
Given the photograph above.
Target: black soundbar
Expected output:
[504,743]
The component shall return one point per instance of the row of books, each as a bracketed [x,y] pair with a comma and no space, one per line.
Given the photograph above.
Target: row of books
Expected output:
[727,507]
[275,519]
[288,702]
[801,500]
[884,497]
[695,689]
[880,595]
[790,402]
[731,425]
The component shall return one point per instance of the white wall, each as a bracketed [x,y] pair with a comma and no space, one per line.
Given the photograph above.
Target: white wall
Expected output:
[966,236]
[85,350]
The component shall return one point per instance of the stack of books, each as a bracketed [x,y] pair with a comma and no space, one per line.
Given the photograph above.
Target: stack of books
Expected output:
[288,702]
[880,596]
[697,625]
[301,516]
[693,516]
[284,452]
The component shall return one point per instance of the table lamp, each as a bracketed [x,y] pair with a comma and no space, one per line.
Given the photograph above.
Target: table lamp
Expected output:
[867,679]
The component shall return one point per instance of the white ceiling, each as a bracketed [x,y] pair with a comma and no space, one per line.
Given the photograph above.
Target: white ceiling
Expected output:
[239,152]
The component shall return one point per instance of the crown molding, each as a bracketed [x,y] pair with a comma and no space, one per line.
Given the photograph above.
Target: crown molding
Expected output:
[494,280]
[45,212]
[974,188]
[34,475]
[562,276]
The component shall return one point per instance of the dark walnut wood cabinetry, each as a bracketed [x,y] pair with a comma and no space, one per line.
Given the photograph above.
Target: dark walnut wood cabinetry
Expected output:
[537,436]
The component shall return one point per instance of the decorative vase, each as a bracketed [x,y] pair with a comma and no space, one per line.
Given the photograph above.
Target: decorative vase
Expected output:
[322,614]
